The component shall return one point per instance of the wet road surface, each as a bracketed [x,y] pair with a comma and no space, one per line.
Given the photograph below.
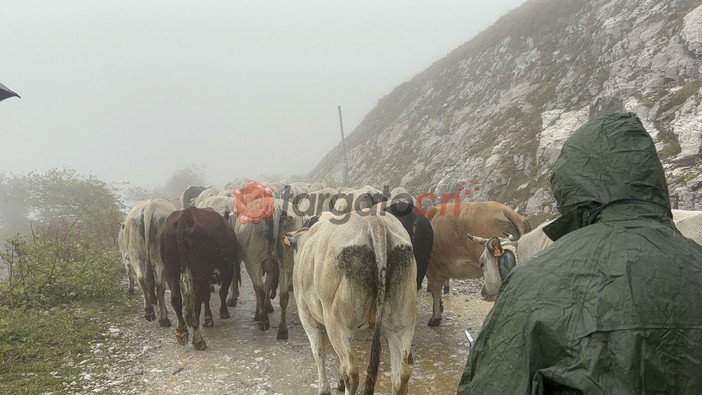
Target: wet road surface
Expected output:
[241,359]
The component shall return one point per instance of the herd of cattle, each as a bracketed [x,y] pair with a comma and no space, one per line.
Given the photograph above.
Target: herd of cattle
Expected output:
[355,259]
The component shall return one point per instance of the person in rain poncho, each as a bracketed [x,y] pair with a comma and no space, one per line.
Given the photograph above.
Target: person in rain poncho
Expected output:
[614,306]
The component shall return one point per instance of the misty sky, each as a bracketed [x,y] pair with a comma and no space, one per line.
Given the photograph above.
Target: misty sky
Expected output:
[132,90]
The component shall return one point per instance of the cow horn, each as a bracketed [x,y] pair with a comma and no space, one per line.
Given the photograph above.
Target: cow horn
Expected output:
[510,236]
[477,239]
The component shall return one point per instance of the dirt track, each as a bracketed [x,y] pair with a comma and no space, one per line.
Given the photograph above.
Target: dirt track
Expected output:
[240,359]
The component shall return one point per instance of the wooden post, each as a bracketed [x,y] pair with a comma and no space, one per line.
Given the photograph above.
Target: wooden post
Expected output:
[345,171]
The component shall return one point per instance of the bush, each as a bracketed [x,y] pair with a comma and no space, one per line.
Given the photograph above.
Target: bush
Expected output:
[43,273]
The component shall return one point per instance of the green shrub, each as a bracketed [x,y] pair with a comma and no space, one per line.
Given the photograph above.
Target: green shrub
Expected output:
[44,273]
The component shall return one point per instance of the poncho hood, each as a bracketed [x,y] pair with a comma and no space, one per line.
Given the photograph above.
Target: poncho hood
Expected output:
[609,161]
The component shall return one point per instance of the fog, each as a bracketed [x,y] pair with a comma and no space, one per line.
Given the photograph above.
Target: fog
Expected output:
[131,90]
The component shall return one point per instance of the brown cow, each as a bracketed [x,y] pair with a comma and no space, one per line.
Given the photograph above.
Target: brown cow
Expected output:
[199,248]
[453,255]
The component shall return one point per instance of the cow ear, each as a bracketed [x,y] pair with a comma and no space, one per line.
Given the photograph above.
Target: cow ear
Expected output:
[290,240]
[495,247]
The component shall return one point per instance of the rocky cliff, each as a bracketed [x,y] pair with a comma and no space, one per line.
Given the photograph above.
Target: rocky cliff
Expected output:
[496,110]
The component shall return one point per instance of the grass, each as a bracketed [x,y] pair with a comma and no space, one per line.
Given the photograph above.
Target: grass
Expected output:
[34,345]
[36,342]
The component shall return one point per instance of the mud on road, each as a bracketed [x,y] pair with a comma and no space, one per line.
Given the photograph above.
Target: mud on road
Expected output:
[241,359]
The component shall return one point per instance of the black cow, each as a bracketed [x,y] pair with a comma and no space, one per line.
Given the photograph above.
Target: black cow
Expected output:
[420,232]
[199,248]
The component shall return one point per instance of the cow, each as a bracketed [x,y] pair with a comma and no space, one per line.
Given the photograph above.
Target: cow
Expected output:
[224,205]
[499,257]
[453,255]
[141,244]
[351,273]
[220,204]
[313,202]
[199,248]
[209,192]
[259,243]
[188,196]
[689,223]
[420,233]
[358,199]
[289,221]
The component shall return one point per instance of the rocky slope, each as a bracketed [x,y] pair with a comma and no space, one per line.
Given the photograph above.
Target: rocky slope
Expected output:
[495,112]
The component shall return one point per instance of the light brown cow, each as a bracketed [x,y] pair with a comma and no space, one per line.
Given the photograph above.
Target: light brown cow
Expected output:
[453,255]
[347,272]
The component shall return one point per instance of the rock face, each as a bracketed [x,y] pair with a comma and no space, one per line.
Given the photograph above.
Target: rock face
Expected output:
[495,111]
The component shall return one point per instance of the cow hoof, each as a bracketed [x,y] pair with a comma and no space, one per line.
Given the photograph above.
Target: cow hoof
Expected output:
[150,316]
[282,334]
[199,342]
[224,314]
[410,358]
[269,308]
[264,325]
[231,302]
[209,323]
[341,386]
[434,322]
[164,323]
[182,336]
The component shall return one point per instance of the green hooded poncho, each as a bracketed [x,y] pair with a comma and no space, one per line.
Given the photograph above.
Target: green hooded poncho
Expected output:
[615,305]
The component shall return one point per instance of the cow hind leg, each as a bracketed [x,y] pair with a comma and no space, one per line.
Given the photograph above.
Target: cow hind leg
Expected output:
[163,320]
[340,339]
[177,303]
[283,327]
[130,278]
[435,289]
[223,290]
[316,338]
[198,338]
[399,344]
[261,313]
[208,321]
[149,313]
[234,297]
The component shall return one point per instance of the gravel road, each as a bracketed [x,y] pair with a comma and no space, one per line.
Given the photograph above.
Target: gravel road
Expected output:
[139,357]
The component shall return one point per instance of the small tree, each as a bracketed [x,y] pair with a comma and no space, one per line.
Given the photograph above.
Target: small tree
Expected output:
[183,178]
[64,203]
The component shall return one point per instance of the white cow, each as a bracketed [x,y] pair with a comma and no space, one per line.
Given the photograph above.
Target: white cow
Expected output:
[265,262]
[211,191]
[218,203]
[141,241]
[359,199]
[351,273]
[688,222]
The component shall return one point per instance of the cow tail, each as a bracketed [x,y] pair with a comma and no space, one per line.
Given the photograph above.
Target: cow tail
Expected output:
[147,217]
[273,229]
[379,238]
[187,284]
